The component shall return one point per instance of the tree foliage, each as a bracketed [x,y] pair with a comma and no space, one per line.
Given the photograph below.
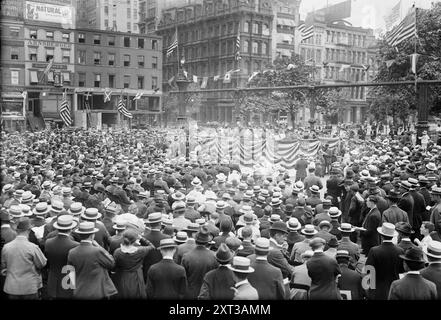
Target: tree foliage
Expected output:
[399,102]
[174,104]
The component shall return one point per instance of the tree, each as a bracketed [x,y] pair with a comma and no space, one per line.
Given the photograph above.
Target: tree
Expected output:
[329,102]
[173,106]
[399,102]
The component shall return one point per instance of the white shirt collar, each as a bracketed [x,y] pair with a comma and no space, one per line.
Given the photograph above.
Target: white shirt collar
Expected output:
[63,234]
[262,258]
[318,250]
[167,258]
[405,239]
[6,225]
[413,272]
[387,241]
[87,241]
[238,284]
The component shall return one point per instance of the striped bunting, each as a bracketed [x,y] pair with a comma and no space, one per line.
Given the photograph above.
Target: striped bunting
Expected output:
[405,30]
[123,110]
[305,32]
[173,45]
[65,112]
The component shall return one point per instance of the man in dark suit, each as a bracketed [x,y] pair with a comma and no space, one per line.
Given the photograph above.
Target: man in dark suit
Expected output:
[293,236]
[56,251]
[92,264]
[386,261]
[102,236]
[266,278]
[198,262]
[323,271]
[334,187]
[188,245]
[247,244]
[413,286]
[154,235]
[394,214]
[352,248]
[278,256]
[406,202]
[166,279]
[218,282]
[404,231]
[350,280]
[369,235]
[419,208]
[433,271]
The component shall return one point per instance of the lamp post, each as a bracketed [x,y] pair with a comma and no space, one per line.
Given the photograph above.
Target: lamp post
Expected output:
[182,82]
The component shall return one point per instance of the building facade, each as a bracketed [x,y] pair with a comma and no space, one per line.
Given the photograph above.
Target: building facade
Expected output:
[114,15]
[207,35]
[341,54]
[286,18]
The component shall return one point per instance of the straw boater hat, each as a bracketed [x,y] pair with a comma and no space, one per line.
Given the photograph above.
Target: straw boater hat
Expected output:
[155,217]
[241,265]
[57,206]
[294,224]
[15,211]
[196,182]
[314,189]
[41,209]
[86,227]
[388,230]
[180,237]
[433,249]
[91,214]
[346,227]
[262,244]
[221,205]
[334,212]
[309,230]
[119,225]
[178,196]
[65,222]
[26,210]
[76,209]
[27,197]
[167,243]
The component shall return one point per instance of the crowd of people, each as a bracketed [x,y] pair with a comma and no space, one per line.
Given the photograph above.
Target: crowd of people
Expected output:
[106,215]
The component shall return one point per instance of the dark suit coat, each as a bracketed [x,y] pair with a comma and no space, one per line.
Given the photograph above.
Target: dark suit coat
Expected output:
[293,238]
[351,280]
[197,263]
[56,251]
[267,280]
[405,245]
[313,201]
[166,280]
[154,256]
[323,271]
[102,236]
[92,265]
[352,248]
[279,260]
[217,285]
[394,215]
[382,204]
[427,196]
[412,287]
[433,273]
[388,265]
[248,249]
[221,238]
[7,235]
[407,203]
[419,209]
[334,231]
[312,180]
[115,242]
[334,189]
[183,249]
[370,237]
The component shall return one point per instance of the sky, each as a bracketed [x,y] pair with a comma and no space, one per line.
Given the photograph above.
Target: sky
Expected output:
[366,13]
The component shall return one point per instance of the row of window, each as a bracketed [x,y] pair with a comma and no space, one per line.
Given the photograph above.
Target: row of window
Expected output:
[311,55]
[129,12]
[346,55]
[98,59]
[345,74]
[65,37]
[315,39]
[128,25]
[350,39]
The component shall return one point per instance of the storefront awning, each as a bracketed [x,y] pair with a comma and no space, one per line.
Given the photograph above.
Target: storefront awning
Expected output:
[34,77]
[286,22]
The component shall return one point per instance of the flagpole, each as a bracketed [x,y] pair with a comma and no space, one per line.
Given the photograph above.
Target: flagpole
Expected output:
[415,49]
[177,48]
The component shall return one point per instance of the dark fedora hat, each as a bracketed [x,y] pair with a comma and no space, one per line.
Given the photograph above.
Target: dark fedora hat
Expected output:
[414,254]
[203,235]
[404,227]
[393,194]
[224,254]
[279,226]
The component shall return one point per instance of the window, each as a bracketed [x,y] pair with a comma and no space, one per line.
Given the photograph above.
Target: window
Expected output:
[33,34]
[49,53]
[126,60]
[265,30]
[81,38]
[141,43]
[33,76]
[264,48]
[81,79]
[246,46]
[65,56]
[129,27]
[97,58]
[247,26]
[255,28]
[126,81]
[66,37]
[14,53]
[106,23]
[66,77]
[111,40]
[154,44]
[129,13]
[141,61]
[154,82]
[97,81]
[111,59]
[14,76]
[140,82]
[50,35]
[127,42]
[154,62]
[111,80]
[82,56]
[96,39]
[135,13]
[32,54]
[50,77]
[255,48]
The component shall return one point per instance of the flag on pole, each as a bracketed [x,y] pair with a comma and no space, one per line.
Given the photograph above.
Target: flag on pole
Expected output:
[305,32]
[253,75]
[204,82]
[185,74]
[195,79]
[405,30]
[174,44]
[123,110]
[49,66]
[138,96]
[65,111]
[107,95]
[414,59]
[216,77]
[227,77]
[238,57]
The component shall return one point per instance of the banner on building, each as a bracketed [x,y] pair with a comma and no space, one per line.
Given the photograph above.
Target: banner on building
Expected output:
[38,11]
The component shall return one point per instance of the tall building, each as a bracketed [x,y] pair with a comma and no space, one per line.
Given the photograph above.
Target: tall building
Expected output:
[341,53]
[114,15]
[286,18]
[207,35]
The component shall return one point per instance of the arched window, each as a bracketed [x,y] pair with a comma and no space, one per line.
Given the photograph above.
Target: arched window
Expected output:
[264,48]
[255,28]
[255,48]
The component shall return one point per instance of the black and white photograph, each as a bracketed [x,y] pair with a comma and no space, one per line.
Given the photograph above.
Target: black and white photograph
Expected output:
[221,155]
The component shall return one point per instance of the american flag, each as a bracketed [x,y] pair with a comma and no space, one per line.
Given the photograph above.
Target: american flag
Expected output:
[123,110]
[173,45]
[65,111]
[305,32]
[405,30]
[238,57]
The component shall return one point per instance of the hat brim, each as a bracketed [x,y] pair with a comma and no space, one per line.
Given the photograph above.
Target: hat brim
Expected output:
[402,256]
[118,228]
[72,226]
[309,234]
[431,254]
[249,270]
[167,246]
[180,241]
[95,230]
[387,235]
[277,229]
[294,229]
[99,215]
[346,231]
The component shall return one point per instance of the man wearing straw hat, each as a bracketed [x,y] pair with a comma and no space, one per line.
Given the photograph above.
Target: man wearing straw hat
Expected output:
[243,290]
[56,250]
[433,271]
[352,248]
[92,264]
[386,261]
[218,282]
